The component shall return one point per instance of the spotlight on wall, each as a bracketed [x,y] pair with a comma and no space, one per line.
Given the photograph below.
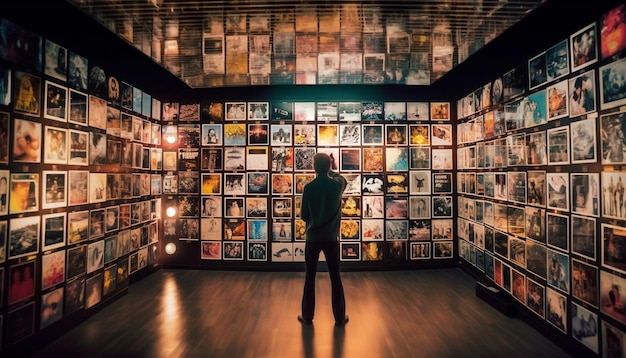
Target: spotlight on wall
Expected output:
[170,248]
[170,211]
[169,134]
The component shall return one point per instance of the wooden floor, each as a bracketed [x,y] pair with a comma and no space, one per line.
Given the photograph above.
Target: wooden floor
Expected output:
[188,313]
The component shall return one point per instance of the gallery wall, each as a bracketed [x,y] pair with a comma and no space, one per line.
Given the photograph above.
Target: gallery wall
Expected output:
[540,181]
[80,163]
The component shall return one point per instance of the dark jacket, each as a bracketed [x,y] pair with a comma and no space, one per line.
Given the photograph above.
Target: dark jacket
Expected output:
[321,207]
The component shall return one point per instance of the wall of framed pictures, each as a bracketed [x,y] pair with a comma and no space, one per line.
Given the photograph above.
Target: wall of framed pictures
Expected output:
[236,173]
[80,204]
[540,179]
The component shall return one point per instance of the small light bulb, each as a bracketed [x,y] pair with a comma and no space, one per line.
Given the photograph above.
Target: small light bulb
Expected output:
[170,212]
[170,248]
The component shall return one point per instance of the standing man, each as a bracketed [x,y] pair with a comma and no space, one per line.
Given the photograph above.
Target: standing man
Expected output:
[321,211]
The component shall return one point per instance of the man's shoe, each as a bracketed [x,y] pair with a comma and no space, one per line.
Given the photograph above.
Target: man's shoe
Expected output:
[342,322]
[308,322]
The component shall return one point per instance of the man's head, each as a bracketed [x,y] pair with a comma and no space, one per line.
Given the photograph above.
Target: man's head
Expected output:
[321,163]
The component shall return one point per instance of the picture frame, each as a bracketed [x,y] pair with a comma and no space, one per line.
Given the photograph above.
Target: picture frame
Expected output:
[54,189]
[26,141]
[78,108]
[537,71]
[419,207]
[558,145]
[612,254]
[582,321]
[234,158]
[419,158]
[258,134]
[56,102]
[610,301]
[535,110]
[556,313]
[257,157]
[304,111]
[350,159]
[557,61]
[583,236]
[441,135]
[373,206]
[557,231]
[373,159]
[419,134]
[441,158]
[211,206]
[396,134]
[585,193]
[613,195]
[583,47]
[211,250]
[442,206]
[612,92]
[372,230]
[258,111]
[211,134]
[349,134]
[585,282]
[443,249]
[327,134]
[257,230]
[281,111]
[281,231]
[235,134]
[24,194]
[350,251]
[235,111]
[55,145]
[27,90]
[558,104]
[535,297]
[23,239]
[558,191]
[558,271]
[442,183]
[52,269]
[97,187]
[440,111]
[304,134]
[583,141]
[417,111]
[303,158]
[397,159]
[613,130]
[210,159]
[582,94]
[372,134]
[396,208]
[516,186]
[419,250]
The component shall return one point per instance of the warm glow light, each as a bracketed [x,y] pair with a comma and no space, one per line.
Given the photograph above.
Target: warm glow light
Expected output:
[170,138]
[170,248]
[170,212]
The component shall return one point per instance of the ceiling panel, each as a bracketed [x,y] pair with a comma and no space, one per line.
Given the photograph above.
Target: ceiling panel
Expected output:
[218,43]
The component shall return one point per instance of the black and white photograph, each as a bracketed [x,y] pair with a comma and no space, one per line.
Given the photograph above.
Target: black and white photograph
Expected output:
[442,207]
[536,191]
[556,309]
[583,141]
[585,188]
[583,237]
[585,326]
[557,231]
[557,61]
[56,102]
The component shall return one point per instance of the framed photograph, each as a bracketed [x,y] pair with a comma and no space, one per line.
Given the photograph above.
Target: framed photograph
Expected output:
[557,233]
[417,111]
[258,111]
[556,309]
[23,236]
[372,134]
[349,134]
[211,250]
[327,134]
[585,325]
[612,134]
[441,159]
[53,233]
[303,158]
[558,145]
[234,158]
[442,183]
[24,195]
[442,207]
[210,158]
[56,102]
[613,254]
[211,134]
[211,206]
[397,159]
[55,60]
[585,193]
[78,226]
[395,134]
[234,207]
[304,111]
[537,71]
[258,134]
[78,107]
[583,47]
[257,230]
[96,223]
[419,250]
[440,111]
[97,187]
[557,61]
[234,184]
[535,110]
[55,145]
[535,297]
[583,236]
[441,134]
[235,134]
[419,158]
[443,249]
[419,134]
[613,195]
[97,115]
[558,271]
[395,111]
[585,283]
[304,134]
[54,189]
[419,207]
[351,206]
[235,111]
[372,159]
[26,141]
[558,191]
[612,90]
[612,31]
[282,159]
[350,159]
[257,158]
[27,93]
[281,111]
[582,94]
[557,100]
[52,269]
[583,141]
[419,182]
[611,300]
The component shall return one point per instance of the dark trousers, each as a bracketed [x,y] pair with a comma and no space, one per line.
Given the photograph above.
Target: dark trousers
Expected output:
[311,256]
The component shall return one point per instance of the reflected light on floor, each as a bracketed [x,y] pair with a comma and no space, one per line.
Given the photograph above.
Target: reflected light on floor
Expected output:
[170,328]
